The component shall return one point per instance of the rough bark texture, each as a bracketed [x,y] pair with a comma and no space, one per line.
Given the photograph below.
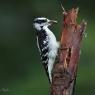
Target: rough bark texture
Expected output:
[65,69]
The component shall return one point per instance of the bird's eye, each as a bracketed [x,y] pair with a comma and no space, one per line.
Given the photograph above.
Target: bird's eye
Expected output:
[41,21]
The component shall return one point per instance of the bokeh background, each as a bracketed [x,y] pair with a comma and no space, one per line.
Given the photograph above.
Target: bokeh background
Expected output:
[21,72]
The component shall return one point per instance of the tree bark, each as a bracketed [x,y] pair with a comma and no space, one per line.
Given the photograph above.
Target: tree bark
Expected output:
[65,68]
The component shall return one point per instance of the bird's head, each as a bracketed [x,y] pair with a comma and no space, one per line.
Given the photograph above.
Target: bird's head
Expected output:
[41,22]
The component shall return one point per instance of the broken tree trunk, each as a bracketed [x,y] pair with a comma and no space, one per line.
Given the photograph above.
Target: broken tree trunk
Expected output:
[65,69]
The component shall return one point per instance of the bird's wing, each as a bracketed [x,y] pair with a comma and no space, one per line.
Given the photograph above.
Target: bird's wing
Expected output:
[42,41]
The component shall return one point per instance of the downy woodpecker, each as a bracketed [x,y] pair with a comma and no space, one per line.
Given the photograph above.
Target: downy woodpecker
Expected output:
[46,43]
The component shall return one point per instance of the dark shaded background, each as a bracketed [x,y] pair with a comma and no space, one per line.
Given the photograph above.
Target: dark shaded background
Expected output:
[21,72]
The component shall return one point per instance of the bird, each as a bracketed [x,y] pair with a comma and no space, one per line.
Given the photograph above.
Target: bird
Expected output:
[46,43]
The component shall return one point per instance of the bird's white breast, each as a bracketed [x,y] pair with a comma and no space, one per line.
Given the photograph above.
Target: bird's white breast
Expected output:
[52,43]
[53,49]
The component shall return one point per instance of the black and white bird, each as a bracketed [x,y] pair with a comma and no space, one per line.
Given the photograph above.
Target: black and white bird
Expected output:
[46,43]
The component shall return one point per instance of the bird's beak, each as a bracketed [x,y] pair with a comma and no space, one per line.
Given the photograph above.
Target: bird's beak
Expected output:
[52,21]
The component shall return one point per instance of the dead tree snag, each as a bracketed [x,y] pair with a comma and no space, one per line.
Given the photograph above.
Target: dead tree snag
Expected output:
[65,69]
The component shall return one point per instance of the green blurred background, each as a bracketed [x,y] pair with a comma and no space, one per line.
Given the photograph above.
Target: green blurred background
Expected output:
[21,72]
